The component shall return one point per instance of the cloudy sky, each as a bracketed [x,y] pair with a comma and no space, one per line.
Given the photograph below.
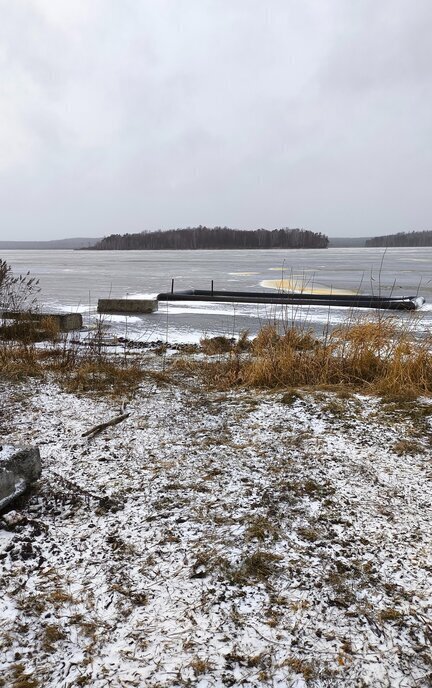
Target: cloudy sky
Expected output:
[124,115]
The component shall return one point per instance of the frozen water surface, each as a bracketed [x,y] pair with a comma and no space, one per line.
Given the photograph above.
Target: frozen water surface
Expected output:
[75,280]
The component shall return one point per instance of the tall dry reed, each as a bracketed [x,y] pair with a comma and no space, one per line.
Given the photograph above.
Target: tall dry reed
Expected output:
[373,356]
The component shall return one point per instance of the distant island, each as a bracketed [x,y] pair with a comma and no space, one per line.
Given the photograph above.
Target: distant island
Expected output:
[193,238]
[402,239]
[221,238]
[54,244]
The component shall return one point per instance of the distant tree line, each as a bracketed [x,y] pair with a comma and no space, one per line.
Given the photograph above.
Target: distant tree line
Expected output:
[213,238]
[402,239]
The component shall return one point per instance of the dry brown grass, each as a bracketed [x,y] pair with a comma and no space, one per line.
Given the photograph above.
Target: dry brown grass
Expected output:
[52,633]
[212,346]
[19,361]
[403,447]
[76,373]
[104,376]
[22,326]
[27,328]
[21,679]
[261,528]
[200,666]
[369,356]
[296,339]
[260,566]
[374,357]
[301,666]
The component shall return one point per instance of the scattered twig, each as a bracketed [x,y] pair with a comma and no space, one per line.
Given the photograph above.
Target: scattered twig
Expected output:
[101,426]
[74,487]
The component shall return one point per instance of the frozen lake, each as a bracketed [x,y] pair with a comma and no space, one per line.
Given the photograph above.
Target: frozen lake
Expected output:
[75,280]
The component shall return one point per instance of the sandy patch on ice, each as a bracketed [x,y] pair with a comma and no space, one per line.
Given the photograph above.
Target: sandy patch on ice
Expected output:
[300,286]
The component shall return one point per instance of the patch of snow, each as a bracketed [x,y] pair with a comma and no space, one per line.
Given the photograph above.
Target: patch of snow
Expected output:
[218,539]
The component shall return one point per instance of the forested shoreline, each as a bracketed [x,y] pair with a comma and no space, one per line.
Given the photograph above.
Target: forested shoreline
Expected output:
[193,238]
[402,239]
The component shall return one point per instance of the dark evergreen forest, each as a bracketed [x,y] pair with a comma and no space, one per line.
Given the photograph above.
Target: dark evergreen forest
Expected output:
[213,238]
[402,239]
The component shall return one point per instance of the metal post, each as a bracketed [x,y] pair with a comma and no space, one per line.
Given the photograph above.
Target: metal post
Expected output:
[172,286]
[212,287]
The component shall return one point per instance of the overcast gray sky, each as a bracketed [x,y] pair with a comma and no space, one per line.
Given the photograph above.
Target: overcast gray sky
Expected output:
[124,115]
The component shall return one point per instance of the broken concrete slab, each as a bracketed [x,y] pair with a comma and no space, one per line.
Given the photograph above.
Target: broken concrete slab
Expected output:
[127,306]
[64,322]
[19,467]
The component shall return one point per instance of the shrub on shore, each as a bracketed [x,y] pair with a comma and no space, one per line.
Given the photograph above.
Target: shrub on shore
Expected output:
[17,292]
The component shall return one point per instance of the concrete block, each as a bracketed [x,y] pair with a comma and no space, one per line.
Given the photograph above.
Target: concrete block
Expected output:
[70,321]
[66,322]
[127,306]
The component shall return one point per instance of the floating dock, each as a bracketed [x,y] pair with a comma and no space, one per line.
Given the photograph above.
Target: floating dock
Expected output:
[142,306]
[400,303]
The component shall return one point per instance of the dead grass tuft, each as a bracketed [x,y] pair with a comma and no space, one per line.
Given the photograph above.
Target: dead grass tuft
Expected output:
[257,566]
[75,373]
[297,339]
[200,666]
[212,346]
[403,447]
[20,678]
[390,614]
[290,397]
[18,362]
[261,528]
[104,376]
[301,666]
[51,635]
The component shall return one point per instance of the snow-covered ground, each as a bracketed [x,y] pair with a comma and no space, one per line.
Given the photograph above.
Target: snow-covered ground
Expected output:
[218,539]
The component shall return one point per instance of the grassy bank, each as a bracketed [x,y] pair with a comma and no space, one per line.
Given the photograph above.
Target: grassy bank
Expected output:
[370,356]
[374,357]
